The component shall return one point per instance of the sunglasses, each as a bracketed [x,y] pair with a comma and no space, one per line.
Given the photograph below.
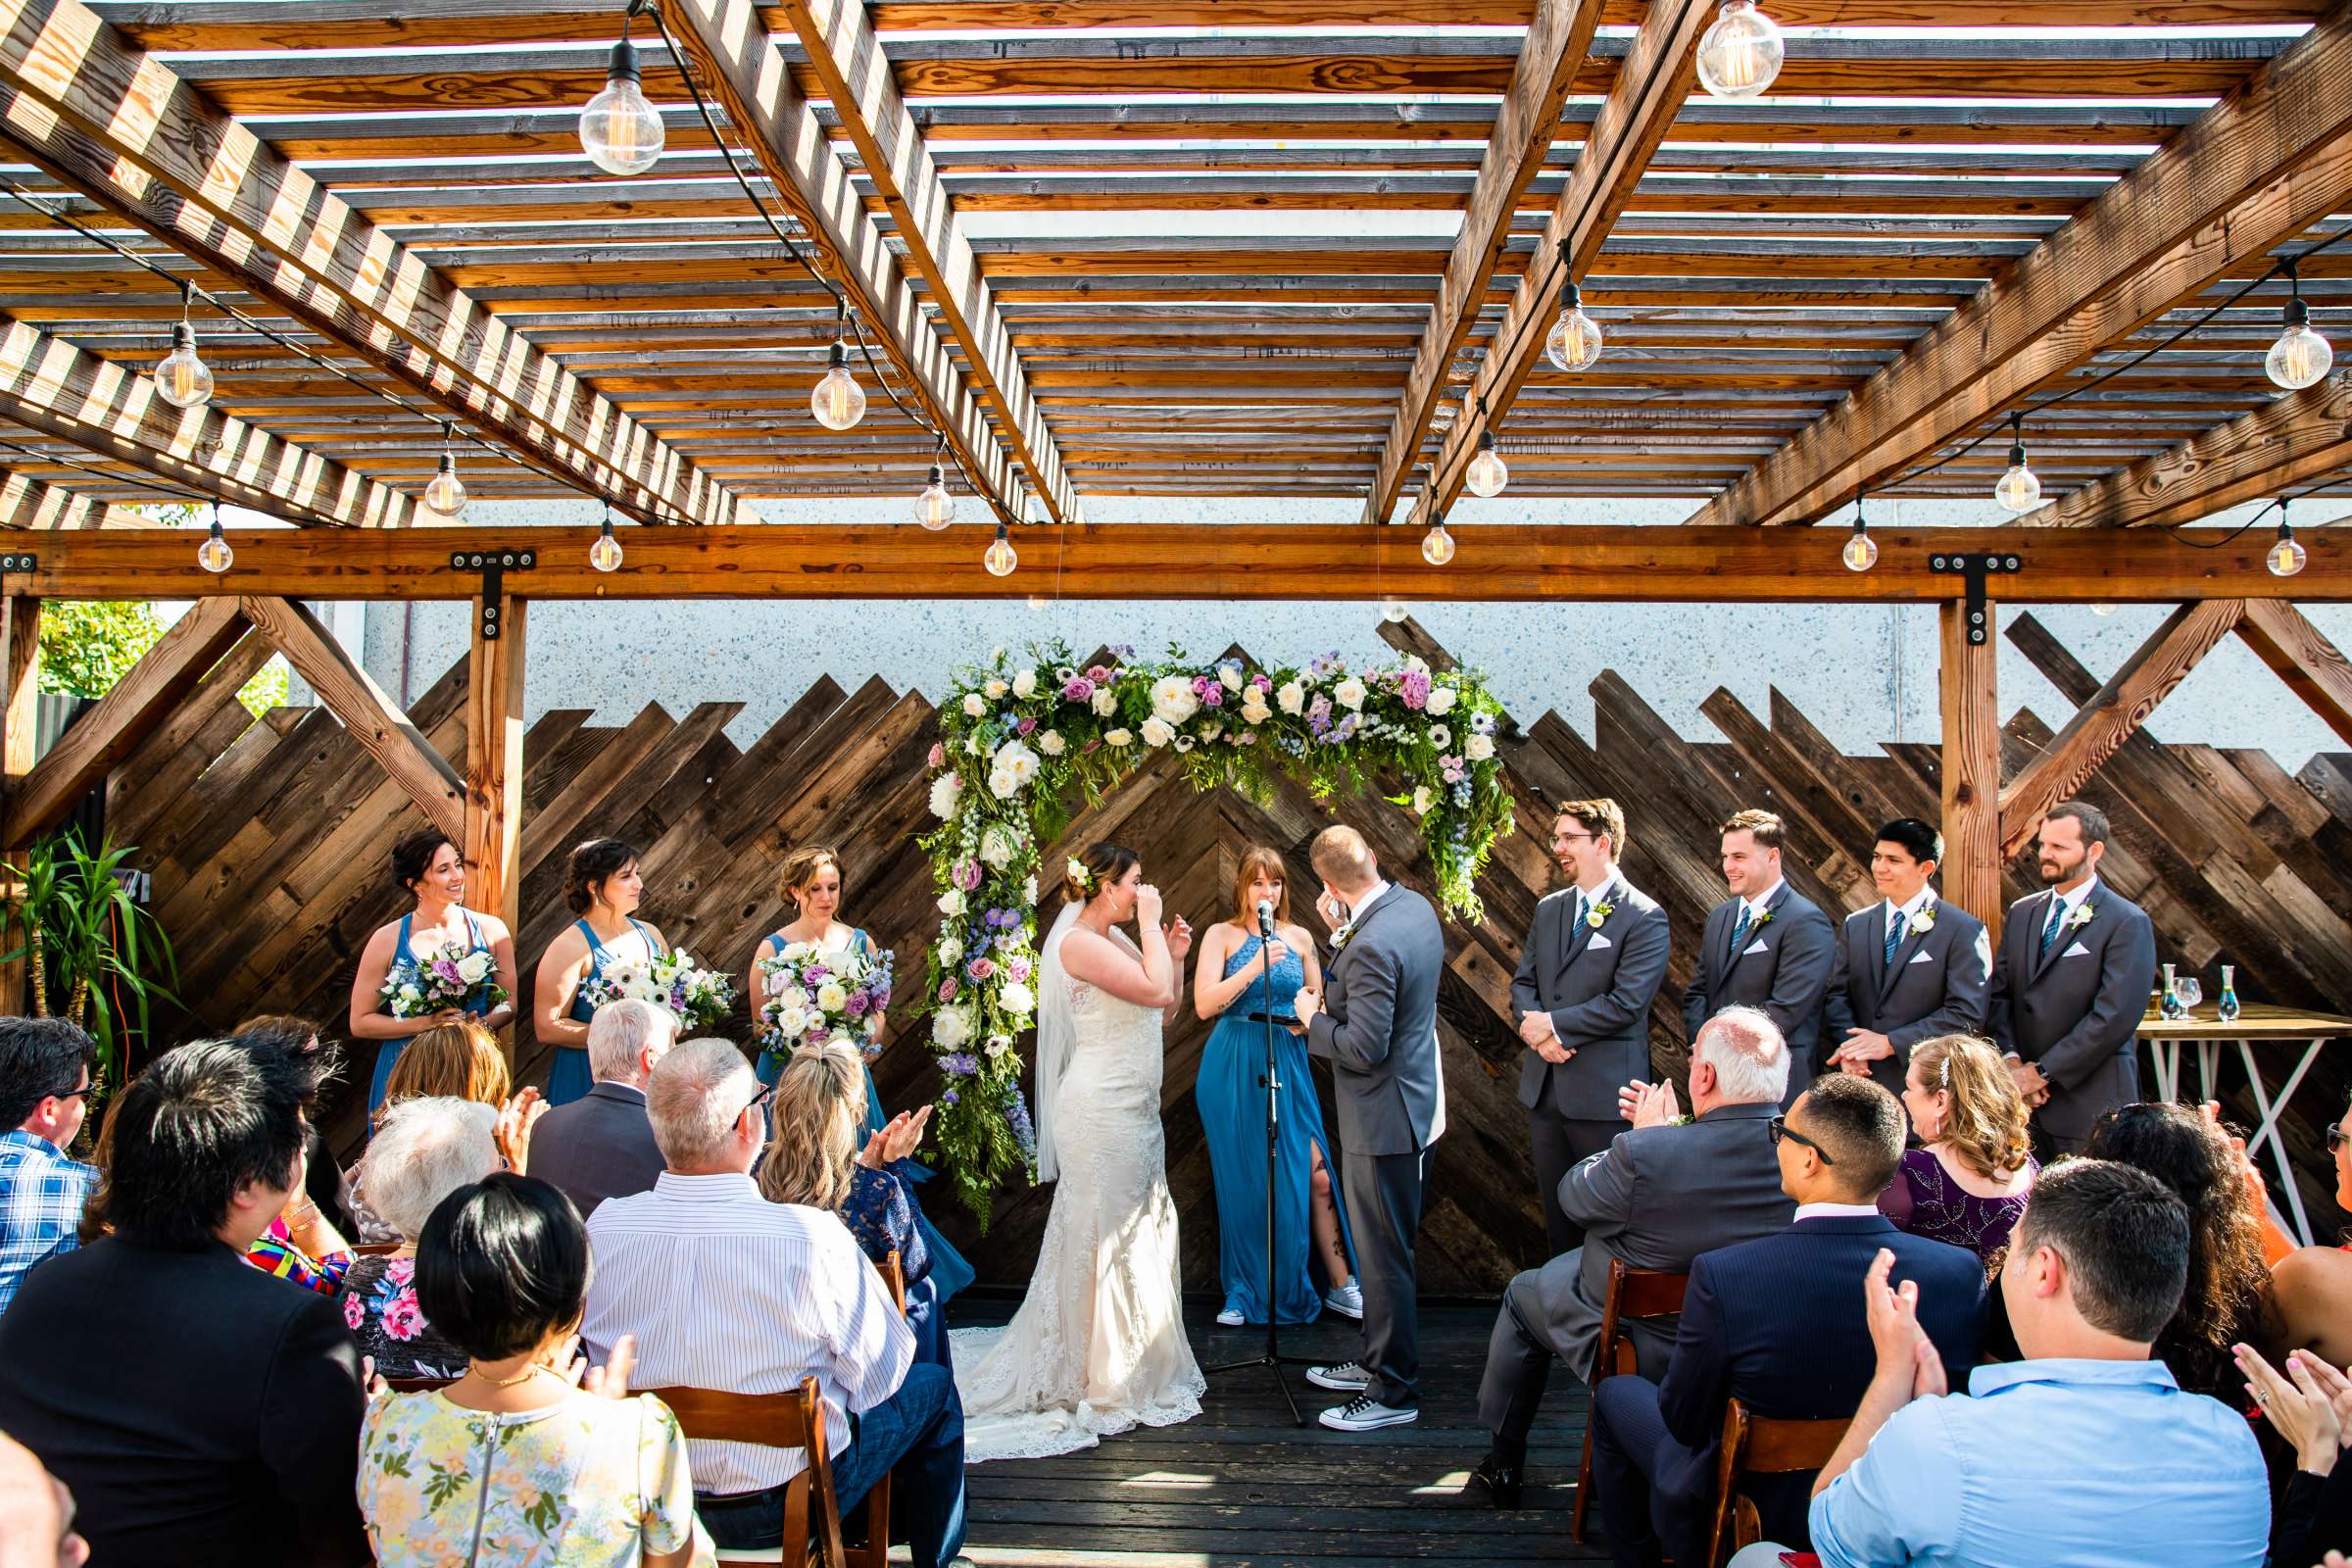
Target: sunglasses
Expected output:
[1778,1129]
[2335,1139]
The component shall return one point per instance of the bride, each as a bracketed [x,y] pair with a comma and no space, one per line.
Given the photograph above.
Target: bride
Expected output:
[1099,1342]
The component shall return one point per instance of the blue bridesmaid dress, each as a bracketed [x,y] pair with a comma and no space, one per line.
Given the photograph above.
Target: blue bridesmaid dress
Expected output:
[570,1078]
[404,967]
[1234,1116]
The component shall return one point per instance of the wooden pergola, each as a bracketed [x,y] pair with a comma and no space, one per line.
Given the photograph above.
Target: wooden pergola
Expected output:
[1844,287]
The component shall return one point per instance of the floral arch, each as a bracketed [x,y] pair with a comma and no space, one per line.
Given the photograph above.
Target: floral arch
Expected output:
[1024,736]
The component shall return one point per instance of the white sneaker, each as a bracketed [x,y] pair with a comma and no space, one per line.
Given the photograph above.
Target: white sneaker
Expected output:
[1364,1413]
[1346,1299]
[1345,1378]
[1232,1318]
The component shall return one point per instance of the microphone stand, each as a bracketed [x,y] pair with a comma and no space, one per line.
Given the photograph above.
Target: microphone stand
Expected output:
[1271,1357]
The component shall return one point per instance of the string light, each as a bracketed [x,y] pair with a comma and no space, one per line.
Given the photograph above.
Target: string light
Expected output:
[2300,357]
[838,401]
[619,129]
[605,554]
[1437,545]
[1740,51]
[1861,551]
[1573,341]
[214,555]
[1486,473]
[935,507]
[1394,612]
[2285,557]
[182,379]
[1001,558]
[445,492]
[2020,489]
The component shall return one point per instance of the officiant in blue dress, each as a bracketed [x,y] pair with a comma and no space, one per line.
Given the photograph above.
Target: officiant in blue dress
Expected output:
[1238,974]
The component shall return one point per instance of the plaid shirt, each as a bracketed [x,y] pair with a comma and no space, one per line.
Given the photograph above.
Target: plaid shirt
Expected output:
[41,1193]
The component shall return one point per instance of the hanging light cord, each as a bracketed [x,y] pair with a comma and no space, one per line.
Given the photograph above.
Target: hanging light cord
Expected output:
[47,460]
[1551,276]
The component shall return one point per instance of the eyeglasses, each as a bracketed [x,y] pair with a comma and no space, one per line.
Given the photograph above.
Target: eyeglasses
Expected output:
[1779,1128]
[68,1093]
[758,1101]
[2335,1139]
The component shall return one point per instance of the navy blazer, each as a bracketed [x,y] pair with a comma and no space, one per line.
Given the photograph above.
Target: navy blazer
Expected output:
[1778,1324]
[599,1146]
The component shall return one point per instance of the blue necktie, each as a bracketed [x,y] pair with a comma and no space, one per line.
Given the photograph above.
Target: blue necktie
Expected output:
[1580,911]
[1739,931]
[1894,934]
[2049,931]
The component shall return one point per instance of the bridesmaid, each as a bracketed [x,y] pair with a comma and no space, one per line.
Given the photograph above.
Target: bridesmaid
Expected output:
[604,889]
[1228,984]
[430,869]
[810,880]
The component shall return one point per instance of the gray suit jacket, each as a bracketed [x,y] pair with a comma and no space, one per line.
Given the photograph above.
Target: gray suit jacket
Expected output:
[1657,1198]
[1379,1028]
[2073,1010]
[1598,985]
[1783,967]
[599,1147]
[1936,984]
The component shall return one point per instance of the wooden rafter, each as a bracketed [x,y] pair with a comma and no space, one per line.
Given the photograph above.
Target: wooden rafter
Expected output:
[2303,658]
[1649,89]
[1525,124]
[2253,173]
[28,503]
[2112,717]
[123,129]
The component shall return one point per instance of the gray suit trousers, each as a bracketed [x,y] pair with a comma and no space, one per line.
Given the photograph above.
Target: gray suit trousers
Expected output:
[1384,1195]
[1519,1357]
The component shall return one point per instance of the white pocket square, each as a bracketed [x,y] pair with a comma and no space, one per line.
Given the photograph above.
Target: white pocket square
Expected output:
[1920,958]
[2077,950]
[1597,943]
[1756,946]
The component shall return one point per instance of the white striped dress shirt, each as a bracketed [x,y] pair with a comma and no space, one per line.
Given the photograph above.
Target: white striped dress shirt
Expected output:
[728,1291]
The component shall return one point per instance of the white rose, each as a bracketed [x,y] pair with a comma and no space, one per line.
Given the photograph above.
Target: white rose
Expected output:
[974,704]
[1105,702]
[997,848]
[973,745]
[1119,737]
[1440,701]
[1052,744]
[792,1021]
[944,790]
[1016,998]
[1478,748]
[1002,785]
[473,968]
[951,1028]
[1015,761]
[1024,683]
[1440,736]
[832,995]
[1156,732]
[1173,699]
[1422,799]
[1416,663]
[995,690]
[1291,698]
[800,950]
[1253,707]
[1230,677]
[1029,890]
[951,902]
[1348,693]
[950,951]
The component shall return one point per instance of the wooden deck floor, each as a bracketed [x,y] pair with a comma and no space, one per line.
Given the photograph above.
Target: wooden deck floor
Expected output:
[1241,1485]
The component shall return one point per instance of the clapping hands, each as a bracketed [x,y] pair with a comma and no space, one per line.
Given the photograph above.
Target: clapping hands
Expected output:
[1648,1104]
[896,1141]
[512,1132]
[2310,1405]
[1904,1349]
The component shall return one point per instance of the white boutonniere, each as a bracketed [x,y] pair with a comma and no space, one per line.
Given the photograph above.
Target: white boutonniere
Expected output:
[1762,919]
[2080,917]
[1922,920]
[1598,914]
[1339,938]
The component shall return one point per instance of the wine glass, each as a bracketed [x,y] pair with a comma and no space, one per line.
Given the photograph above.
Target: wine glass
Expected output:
[2191,991]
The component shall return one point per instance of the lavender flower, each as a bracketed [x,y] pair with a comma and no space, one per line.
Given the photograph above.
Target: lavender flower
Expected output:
[960,1065]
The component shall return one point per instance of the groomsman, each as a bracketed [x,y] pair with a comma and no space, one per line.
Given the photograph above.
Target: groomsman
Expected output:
[1909,967]
[1766,947]
[1586,976]
[2072,983]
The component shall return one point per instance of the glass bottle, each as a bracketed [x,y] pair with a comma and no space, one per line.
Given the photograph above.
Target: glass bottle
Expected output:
[2226,1007]
[2171,1007]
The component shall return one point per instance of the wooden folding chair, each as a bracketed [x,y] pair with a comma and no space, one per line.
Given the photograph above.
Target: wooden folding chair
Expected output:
[1633,1292]
[1760,1446]
[417,1384]
[794,1419]
[374,1248]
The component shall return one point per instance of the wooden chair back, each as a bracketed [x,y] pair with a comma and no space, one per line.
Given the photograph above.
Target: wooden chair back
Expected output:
[375,1249]
[1633,1292]
[417,1384]
[1761,1446]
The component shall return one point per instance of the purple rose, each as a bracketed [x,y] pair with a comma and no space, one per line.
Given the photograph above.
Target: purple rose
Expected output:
[1025,725]
[1414,686]
[948,989]
[815,972]
[857,1003]
[1213,694]
[968,875]
[1262,681]
[939,755]
[981,968]
[1077,689]
[1016,969]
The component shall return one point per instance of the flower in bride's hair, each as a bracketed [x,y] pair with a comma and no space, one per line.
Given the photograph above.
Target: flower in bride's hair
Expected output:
[1119,737]
[951,902]
[1173,701]
[944,790]
[1292,699]
[1016,998]
[1156,732]
[974,704]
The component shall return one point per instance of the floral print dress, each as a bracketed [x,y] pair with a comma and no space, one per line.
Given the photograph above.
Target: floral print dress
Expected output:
[379,1303]
[586,1483]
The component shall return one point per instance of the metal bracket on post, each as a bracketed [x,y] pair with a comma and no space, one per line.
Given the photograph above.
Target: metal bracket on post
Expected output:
[493,566]
[1975,569]
[16,560]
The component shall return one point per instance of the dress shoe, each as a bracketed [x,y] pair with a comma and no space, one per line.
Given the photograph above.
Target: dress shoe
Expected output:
[1499,1481]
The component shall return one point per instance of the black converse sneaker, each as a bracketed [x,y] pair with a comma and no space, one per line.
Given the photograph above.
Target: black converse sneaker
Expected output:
[1364,1413]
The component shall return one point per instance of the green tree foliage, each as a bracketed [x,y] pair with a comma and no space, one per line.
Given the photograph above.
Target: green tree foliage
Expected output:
[87,645]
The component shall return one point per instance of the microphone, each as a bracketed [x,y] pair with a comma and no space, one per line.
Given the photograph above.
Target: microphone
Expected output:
[1265,916]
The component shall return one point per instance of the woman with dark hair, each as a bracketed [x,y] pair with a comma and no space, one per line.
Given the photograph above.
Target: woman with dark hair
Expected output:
[305,1241]
[1238,980]
[430,869]
[523,1461]
[603,888]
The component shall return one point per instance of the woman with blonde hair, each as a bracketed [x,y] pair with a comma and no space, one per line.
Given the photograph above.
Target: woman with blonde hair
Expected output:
[822,1154]
[460,1061]
[1968,1181]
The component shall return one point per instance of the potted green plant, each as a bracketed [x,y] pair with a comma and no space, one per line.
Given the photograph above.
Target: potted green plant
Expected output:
[92,953]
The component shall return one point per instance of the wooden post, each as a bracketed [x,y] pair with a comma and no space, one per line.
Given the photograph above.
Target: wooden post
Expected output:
[21,669]
[494,761]
[1972,766]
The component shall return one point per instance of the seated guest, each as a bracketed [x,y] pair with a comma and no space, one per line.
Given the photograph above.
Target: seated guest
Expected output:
[513,1466]
[724,1290]
[2314,1285]
[37,1514]
[424,1150]
[1776,1323]
[814,1159]
[2087,1452]
[1966,1182]
[201,1411]
[2306,1405]
[44,1094]
[302,1244]
[602,1146]
[462,1060]
[322,1180]
[1656,1197]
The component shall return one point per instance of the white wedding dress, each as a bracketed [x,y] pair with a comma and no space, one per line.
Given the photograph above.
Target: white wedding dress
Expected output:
[1099,1344]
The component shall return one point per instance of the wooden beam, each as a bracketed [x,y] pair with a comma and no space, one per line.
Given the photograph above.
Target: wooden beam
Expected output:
[2251,173]
[21,673]
[106,734]
[847,56]
[28,503]
[49,385]
[730,47]
[2303,658]
[493,826]
[1650,88]
[122,128]
[371,717]
[1525,124]
[1627,564]
[1971,871]
[2111,718]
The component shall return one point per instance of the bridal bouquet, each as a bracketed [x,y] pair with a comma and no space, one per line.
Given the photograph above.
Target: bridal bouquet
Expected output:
[816,994]
[465,982]
[699,997]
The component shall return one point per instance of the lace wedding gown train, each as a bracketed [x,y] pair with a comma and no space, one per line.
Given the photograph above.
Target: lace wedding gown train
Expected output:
[1099,1345]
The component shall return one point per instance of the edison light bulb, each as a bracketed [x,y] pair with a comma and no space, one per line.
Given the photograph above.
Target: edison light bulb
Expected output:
[1394,612]
[2301,356]
[445,493]
[2020,489]
[2285,557]
[1861,551]
[605,554]
[838,401]
[619,129]
[1573,341]
[1740,53]
[1001,558]
[1437,546]
[214,555]
[934,509]
[182,379]
[1486,473]
[2103,611]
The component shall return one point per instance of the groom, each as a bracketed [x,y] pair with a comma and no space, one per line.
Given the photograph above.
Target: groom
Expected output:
[1378,1026]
